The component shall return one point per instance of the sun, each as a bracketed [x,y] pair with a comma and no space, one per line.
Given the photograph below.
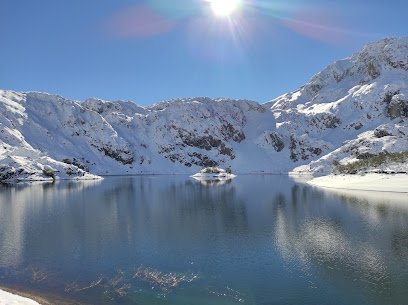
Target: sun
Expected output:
[224,8]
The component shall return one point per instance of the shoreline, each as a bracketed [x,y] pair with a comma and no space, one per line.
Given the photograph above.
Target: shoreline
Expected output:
[101,177]
[29,181]
[384,183]
[11,297]
[24,297]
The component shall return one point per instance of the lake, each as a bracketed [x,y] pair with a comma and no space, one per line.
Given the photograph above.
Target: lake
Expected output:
[258,239]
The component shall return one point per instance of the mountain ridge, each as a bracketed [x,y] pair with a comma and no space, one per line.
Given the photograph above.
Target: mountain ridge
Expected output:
[355,107]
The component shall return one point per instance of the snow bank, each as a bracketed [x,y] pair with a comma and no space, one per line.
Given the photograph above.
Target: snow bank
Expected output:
[7,298]
[369,182]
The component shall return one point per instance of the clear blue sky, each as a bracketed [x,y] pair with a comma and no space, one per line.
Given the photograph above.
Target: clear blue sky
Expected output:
[147,51]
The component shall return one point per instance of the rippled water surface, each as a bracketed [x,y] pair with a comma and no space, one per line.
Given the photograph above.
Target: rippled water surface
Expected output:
[173,240]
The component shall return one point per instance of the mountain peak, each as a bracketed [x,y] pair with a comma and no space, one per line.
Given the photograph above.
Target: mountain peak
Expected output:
[386,45]
[391,52]
[384,61]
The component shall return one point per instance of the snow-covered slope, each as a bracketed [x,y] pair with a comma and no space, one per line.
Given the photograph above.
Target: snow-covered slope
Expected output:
[356,107]
[7,298]
[25,123]
[179,136]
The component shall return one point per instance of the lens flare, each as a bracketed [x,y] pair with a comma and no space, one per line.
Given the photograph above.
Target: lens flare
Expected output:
[138,22]
[224,8]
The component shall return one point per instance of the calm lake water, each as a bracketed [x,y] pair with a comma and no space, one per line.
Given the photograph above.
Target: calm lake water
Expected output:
[173,240]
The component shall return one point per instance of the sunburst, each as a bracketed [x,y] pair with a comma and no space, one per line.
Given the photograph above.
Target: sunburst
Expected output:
[224,8]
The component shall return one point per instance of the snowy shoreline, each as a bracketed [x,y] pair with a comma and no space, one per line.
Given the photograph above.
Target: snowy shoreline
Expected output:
[7,298]
[16,296]
[396,183]
[89,177]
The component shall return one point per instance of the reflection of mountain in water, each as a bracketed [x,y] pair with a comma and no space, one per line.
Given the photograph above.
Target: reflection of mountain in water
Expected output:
[355,240]
[79,231]
[118,213]
[22,204]
[212,182]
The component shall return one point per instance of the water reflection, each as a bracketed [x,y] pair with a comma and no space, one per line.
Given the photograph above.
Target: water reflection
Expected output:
[253,240]
[350,237]
[212,182]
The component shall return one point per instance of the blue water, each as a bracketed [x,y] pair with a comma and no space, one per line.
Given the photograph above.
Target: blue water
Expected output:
[173,240]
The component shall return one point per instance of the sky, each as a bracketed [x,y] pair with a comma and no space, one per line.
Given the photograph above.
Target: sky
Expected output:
[153,50]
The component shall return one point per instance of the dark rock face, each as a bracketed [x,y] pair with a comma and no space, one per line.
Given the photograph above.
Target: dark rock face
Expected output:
[212,139]
[7,172]
[292,148]
[207,142]
[300,149]
[381,133]
[203,161]
[332,122]
[194,158]
[403,65]
[122,156]
[396,105]
[315,88]
[364,156]
[276,141]
[357,126]
[397,108]
[77,163]
[229,132]
[388,97]
[372,70]
[325,120]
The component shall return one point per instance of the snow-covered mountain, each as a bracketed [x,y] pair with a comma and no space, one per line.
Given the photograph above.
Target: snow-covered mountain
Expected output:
[354,108]
[179,136]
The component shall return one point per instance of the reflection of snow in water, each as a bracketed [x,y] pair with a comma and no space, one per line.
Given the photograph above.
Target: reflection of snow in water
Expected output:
[228,293]
[325,243]
[212,182]
[74,286]
[18,203]
[121,283]
[326,240]
[38,275]
[165,281]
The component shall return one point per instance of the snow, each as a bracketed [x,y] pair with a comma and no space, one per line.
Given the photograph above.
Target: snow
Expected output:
[369,182]
[179,136]
[335,116]
[7,298]
[341,107]
[211,173]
